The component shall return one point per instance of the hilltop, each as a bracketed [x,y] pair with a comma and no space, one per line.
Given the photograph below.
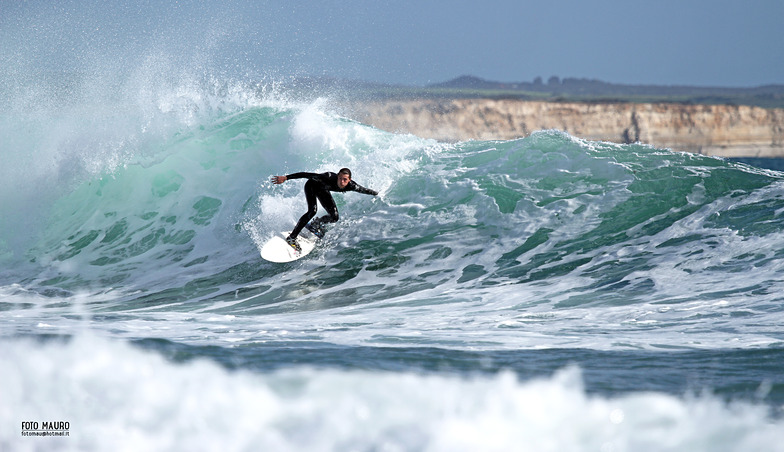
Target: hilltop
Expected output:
[553,90]
[588,90]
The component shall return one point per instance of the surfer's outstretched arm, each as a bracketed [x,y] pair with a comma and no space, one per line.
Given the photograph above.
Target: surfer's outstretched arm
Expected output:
[280,179]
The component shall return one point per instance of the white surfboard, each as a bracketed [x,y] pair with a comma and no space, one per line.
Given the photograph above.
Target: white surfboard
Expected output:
[277,250]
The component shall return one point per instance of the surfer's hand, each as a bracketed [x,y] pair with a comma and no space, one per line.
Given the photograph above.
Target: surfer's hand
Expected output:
[278,179]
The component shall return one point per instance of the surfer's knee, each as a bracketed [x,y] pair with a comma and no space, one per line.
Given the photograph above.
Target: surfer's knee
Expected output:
[331,217]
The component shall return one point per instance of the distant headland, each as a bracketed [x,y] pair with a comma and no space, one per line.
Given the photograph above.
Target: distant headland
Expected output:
[728,122]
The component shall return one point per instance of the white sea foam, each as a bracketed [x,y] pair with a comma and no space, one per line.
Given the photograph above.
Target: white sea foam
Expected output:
[117,397]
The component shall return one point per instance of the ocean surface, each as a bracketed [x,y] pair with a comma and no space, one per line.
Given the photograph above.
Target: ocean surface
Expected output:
[544,294]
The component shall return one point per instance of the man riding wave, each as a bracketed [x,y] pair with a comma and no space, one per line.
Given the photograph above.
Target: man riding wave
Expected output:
[318,187]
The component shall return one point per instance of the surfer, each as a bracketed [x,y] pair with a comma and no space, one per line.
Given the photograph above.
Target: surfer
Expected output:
[318,187]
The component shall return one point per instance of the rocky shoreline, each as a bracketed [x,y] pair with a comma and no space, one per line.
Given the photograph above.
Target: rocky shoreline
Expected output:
[721,130]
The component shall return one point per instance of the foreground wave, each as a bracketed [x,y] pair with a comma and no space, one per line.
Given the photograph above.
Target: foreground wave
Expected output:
[113,394]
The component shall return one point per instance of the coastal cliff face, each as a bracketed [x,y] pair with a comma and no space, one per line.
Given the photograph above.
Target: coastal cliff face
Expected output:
[722,130]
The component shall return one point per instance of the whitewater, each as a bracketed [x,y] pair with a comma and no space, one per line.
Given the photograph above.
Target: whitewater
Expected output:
[544,293]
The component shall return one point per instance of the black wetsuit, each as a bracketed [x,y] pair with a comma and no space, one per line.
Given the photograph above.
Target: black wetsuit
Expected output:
[318,187]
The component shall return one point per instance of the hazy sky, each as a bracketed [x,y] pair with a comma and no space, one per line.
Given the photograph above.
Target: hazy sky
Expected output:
[686,42]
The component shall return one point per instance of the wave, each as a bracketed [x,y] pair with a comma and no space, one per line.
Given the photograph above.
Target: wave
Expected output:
[125,395]
[551,197]
[184,200]
[172,218]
